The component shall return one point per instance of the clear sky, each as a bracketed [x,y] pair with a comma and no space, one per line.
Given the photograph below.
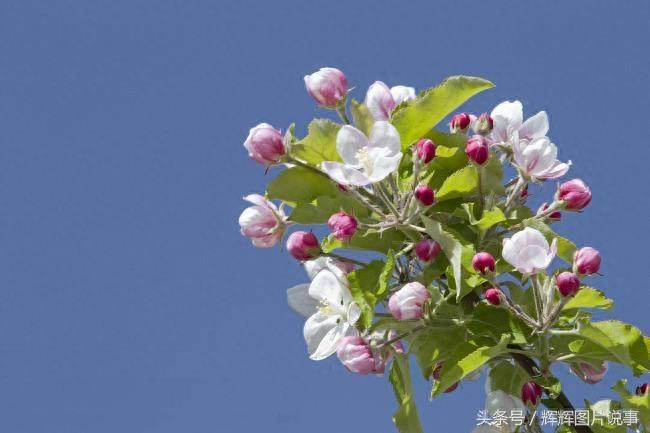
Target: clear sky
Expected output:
[129,302]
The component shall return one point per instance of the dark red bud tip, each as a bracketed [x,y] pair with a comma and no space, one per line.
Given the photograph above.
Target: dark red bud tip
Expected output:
[427,250]
[425,195]
[642,389]
[426,150]
[568,284]
[459,122]
[493,296]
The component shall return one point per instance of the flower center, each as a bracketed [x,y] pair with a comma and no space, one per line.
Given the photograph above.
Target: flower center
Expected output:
[324,307]
[363,156]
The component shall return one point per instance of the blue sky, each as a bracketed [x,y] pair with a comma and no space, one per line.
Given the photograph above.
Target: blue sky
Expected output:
[128,299]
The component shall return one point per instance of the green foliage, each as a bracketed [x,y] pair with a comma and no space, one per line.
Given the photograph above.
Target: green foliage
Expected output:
[450,246]
[361,116]
[639,403]
[588,297]
[417,117]
[373,241]
[462,183]
[406,417]
[507,376]
[320,143]
[301,185]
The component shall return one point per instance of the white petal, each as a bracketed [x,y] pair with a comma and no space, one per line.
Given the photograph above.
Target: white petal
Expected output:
[535,126]
[349,141]
[532,259]
[513,112]
[354,312]
[558,169]
[402,93]
[382,166]
[380,101]
[327,287]
[385,136]
[509,252]
[320,332]
[299,300]
[531,236]
[344,175]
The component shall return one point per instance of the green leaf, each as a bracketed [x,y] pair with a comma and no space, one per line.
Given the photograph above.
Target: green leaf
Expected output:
[320,143]
[588,297]
[433,345]
[599,411]
[361,116]
[364,284]
[406,417]
[417,117]
[489,321]
[462,183]
[301,185]
[386,274]
[507,377]
[490,218]
[319,211]
[565,248]
[467,357]
[383,242]
[450,246]
[639,403]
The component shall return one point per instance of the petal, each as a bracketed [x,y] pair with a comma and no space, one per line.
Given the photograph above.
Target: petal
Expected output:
[532,259]
[382,166]
[512,112]
[509,252]
[402,93]
[344,174]
[385,136]
[256,199]
[320,331]
[327,287]
[539,156]
[559,169]
[349,141]
[354,312]
[531,236]
[313,267]
[535,126]
[380,101]
[299,300]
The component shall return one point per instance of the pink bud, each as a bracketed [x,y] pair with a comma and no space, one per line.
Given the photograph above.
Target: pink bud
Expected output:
[531,393]
[426,150]
[575,194]
[327,86]
[436,376]
[588,373]
[303,245]
[586,261]
[265,144]
[493,296]
[342,225]
[483,262]
[568,284]
[524,192]
[424,194]
[356,355]
[459,122]
[477,149]
[264,224]
[427,250]
[484,124]
[407,302]
[643,389]
[554,216]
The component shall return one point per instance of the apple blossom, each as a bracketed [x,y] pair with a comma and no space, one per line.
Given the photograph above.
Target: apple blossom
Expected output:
[424,194]
[460,122]
[425,150]
[303,245]
[408,301]
[339,267]
[366,160]
[264,224]
[493,296]
[586,261]
[575,194]
[568,284]
[333,312]
[528,251]
[588,373]
[381,101]
[357,356]
[508,120]
[327,86]
[483,262]
[342,225]
[537,158]
[265,144]
[427,250]
[531,393]
[477,149]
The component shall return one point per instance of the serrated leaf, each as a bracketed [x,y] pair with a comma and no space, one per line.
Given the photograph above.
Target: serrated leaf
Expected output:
[418,116]
[301,185]
[386,274]
[383,242]
[507,376]
[588,297]
[432,345]
[406,417]
[320,143]
[461,183]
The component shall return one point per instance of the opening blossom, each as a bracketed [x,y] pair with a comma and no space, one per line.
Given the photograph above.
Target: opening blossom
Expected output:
[381,101]
[528,251]
[357,356]
[264,224]
[537,158]
[366,160]
[327,86]
[508,119]
[408,301]
[331,312]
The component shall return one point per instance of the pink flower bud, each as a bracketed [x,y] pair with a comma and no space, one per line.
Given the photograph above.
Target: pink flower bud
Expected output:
[568,284]
[303,245]
[426,150]
[356,355]
[493,296]
[477,149]
[586,261]
[531,393]
[588,373]
[575,194]
[327,86]
[553,216]
[643,389]
[427,250]
[265,144]
[264,224]
[483,262]
[424,194]
[484,124]
[459,122]
[436,376]
[524,192]
[407,302]
[342,225]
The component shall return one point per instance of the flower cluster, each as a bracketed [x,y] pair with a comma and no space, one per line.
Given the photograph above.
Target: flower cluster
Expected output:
[468,277]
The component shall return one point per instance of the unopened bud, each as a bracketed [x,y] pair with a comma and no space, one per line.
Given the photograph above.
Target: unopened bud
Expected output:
[531,393]
[427,250]
[303,245]
[483,262]
[477,149]
[459,122]
[493,296]
[575,194]
[586,261]
[342,225]
[425,149]
[424,194]
[484,124]
[568,284]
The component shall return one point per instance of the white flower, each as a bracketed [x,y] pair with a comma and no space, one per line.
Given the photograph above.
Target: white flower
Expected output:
[331,312]
[528,251]
[366,160]
[508,119]
[537,158]
[381,101]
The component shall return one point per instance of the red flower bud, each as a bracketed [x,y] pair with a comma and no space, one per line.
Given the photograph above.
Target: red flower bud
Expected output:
[493,296]
[586,261]
[426,150]
[427,250]
[575,194]
[568,284]
[483,262]
[459,122]
[343,226]
[531,393]
[477,149]
[424,194]
[303,245]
